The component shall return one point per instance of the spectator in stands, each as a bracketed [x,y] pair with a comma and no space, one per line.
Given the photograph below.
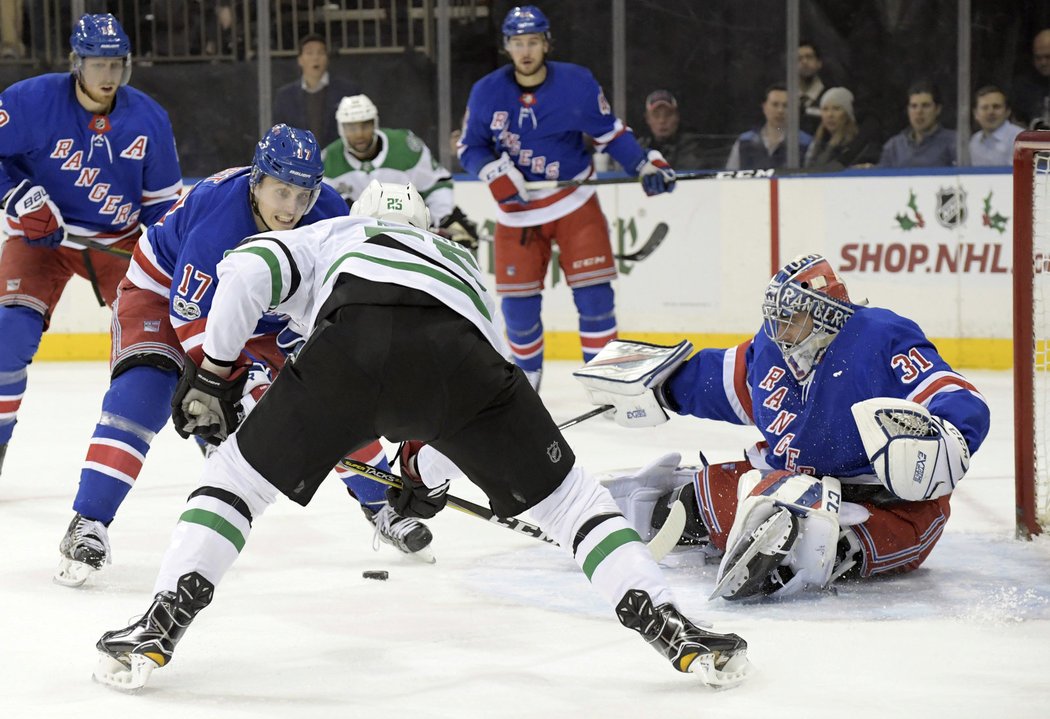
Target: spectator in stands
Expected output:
[11,45]
[811,87]
[924,143]
[839,143]
[682,149]
[764,147]
[1031,90]
[993,144]
[310,102]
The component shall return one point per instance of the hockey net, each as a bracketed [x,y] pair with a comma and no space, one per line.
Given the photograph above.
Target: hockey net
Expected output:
[1031,263]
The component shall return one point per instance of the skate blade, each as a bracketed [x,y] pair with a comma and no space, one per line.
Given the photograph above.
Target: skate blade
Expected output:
[424,555]
[116,675]
[731,673]
[71,573]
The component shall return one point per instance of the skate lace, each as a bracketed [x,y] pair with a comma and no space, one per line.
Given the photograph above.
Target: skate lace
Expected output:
[92,534]
[391,525]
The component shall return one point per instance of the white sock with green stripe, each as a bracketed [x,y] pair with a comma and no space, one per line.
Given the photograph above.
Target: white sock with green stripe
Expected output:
[217,519]
[582,516]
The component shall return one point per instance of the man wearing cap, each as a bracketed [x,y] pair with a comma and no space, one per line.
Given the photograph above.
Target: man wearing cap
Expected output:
[682,149]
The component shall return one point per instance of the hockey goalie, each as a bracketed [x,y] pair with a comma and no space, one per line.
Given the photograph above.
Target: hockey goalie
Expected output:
[866,432]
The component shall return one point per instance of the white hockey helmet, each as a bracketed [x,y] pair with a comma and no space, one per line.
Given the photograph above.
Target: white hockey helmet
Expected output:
[393,202]
[356,108]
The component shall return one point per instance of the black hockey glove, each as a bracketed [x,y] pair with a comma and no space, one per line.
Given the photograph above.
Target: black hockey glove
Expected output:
[208,405]
[458,228]
[415,499]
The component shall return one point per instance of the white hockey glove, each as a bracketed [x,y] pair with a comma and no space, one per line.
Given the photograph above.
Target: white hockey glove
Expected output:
[656,174]
[916,455]
[627,375]
[505,181]
[784,538]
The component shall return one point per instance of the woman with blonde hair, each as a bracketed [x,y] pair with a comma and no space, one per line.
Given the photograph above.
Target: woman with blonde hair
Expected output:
[839,142]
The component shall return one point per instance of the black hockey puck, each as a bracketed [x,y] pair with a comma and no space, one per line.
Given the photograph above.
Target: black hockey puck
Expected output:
[380,574]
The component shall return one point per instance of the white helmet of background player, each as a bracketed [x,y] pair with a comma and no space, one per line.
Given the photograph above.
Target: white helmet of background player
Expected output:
[805,306]
[351,111]
[393,202]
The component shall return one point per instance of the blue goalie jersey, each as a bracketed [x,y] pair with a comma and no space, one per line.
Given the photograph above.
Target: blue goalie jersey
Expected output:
[106,173]
[809,427]
[178,255]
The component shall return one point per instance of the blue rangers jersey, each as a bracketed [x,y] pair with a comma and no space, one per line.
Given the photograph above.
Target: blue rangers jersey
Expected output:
[178,255]
[810,428]
[542,129]
[106,173]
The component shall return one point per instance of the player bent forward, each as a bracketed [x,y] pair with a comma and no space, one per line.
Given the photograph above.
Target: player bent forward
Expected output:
[866,432]
[433,370]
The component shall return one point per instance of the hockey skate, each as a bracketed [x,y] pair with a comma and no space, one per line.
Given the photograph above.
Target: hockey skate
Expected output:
[128,656]
[407,534]
[719,659]
[84,549]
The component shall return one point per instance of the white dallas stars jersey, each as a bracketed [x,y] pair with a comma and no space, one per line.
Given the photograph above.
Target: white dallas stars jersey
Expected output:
[402,158]
[293,273]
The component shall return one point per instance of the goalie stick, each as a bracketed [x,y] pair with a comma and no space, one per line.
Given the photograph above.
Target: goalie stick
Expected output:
[679,176]
[664,541]
[656,238]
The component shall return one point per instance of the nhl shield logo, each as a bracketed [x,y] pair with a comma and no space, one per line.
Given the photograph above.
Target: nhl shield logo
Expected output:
[951,207]
[554,452]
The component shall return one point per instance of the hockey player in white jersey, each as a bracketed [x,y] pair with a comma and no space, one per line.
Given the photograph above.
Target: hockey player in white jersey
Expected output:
[367,152]
[433,369]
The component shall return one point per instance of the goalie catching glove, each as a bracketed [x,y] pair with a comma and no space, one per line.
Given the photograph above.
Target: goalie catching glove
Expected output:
[206,404]
[628,376]
[916,455]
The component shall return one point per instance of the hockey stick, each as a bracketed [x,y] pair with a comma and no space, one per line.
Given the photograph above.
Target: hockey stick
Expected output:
[91,244]
[659,546]
[657,237]
[679,176]
[585,416]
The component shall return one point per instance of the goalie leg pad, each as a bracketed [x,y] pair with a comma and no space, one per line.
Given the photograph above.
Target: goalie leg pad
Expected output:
[773,553]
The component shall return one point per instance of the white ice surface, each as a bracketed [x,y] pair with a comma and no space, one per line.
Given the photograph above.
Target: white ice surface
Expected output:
[501,626]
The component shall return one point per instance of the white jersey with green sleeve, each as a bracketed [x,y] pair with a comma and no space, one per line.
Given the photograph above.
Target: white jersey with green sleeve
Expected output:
[402,158]
[292,273]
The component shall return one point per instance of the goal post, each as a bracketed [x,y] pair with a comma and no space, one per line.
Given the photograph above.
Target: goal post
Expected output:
[1031,306]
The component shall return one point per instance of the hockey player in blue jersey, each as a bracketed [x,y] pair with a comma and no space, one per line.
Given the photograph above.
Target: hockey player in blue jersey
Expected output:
[527,121]
[81,154]
[162,315]
[866,431]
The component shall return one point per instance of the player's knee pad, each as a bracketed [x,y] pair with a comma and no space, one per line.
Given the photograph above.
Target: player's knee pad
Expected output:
[565,511]
[595,303]
[784,538]
[140,399]
[146,359]
[21,329]
[522,315]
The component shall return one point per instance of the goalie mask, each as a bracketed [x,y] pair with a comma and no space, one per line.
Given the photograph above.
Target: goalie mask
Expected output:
[805,306]
[100,35]
[393,202]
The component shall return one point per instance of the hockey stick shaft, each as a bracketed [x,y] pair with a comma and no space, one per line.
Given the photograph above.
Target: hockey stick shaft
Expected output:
[585,416]
[679,177]
[659,546]
[91,244]
[460,505]
[657,237]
